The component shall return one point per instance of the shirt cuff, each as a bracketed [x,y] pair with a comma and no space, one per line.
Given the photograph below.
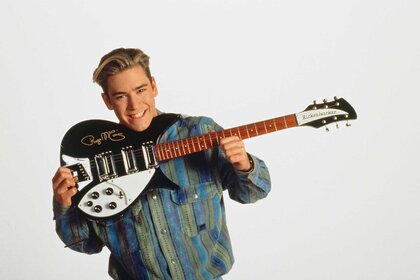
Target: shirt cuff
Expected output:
[251,161]
[61,210]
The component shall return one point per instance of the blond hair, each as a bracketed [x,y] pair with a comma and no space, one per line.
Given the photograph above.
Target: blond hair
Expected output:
[119,60]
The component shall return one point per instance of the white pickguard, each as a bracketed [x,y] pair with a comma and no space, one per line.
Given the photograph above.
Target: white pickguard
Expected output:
[124,191]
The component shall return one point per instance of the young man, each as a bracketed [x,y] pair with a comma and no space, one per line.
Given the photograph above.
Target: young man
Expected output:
[168,233]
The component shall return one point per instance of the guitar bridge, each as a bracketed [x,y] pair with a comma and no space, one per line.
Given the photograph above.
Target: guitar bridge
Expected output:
[149,155]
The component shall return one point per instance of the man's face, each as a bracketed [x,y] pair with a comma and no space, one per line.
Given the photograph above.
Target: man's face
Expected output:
[132,97]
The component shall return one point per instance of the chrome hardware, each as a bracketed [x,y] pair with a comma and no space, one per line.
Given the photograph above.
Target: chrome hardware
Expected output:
[149,155]
[314,107]
[129,160]
[94,195]
[109,191]
[105,166]
[97,208]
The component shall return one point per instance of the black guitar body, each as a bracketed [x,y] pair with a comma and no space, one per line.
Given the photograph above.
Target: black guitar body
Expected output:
[113,164]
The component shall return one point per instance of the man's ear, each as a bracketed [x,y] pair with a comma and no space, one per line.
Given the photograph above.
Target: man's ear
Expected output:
[107,102]
[154,87]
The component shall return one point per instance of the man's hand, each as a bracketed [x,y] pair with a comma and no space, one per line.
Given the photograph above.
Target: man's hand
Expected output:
[235,152]
[64,186]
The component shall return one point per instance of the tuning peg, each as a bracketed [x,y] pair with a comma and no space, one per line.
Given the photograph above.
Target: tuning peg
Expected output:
[327,129]
[348,124]
[336,101]
[314,107]
[336,125]
[325,102]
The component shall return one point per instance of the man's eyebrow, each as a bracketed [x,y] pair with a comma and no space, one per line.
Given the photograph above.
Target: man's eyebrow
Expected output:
[135,89]
[140,86]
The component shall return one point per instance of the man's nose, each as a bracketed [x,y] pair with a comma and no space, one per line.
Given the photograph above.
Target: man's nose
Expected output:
[132,102]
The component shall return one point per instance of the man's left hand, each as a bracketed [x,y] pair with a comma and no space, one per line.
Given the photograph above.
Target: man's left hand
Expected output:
[235,152]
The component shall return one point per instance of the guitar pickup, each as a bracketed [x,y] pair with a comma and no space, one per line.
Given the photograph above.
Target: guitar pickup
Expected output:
[149,155]
[129,160]
[105,166]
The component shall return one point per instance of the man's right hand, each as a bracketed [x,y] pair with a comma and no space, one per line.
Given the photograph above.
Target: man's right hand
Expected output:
[64,186]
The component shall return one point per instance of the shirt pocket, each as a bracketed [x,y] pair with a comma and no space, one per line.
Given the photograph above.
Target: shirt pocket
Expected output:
[199,208]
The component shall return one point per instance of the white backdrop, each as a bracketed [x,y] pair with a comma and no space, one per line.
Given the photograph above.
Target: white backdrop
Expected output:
[344,204]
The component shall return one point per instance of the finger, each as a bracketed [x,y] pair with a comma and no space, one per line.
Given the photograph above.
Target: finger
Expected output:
[229,139]
[64,186]
[62,174]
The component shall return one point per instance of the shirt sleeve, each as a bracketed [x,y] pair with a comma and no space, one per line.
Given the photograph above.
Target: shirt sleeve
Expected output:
[244,187]
[74,230]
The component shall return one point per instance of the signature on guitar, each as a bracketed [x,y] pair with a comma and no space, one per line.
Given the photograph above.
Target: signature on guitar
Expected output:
[112,135]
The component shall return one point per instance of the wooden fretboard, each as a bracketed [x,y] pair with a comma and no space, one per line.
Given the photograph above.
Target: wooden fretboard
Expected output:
[190,145]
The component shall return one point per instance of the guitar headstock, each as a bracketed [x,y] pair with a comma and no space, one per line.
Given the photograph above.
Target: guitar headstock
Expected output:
[321,114]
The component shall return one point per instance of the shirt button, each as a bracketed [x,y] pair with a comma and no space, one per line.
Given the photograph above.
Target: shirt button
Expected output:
[195,196]
[154,197]
[164,231]
[173,262]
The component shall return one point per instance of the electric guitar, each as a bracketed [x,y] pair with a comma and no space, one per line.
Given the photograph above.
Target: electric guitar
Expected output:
[114,165]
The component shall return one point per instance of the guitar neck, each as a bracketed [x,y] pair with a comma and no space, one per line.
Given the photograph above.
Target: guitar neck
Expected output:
[190,145]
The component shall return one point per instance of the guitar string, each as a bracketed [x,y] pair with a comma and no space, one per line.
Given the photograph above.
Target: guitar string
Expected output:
[259,128]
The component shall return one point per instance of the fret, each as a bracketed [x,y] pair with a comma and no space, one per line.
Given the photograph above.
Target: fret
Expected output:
[176,150]
[162,149]
[265,127]
[247,132]
[157,155]
[192,143]
[275,126]
[183,147]
[256,129]
[204,147]
[159,151]
[251,131]
[279,125]
[188,146]
[211,141]
[196,141]
[217,138]
[285,124]
[168,150]
[171,149]
[239,133]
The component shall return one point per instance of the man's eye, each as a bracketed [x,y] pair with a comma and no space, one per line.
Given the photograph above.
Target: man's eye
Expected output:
[119,97]
[141,90]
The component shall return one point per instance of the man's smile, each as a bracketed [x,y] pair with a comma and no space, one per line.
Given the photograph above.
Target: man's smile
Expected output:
[137,115]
